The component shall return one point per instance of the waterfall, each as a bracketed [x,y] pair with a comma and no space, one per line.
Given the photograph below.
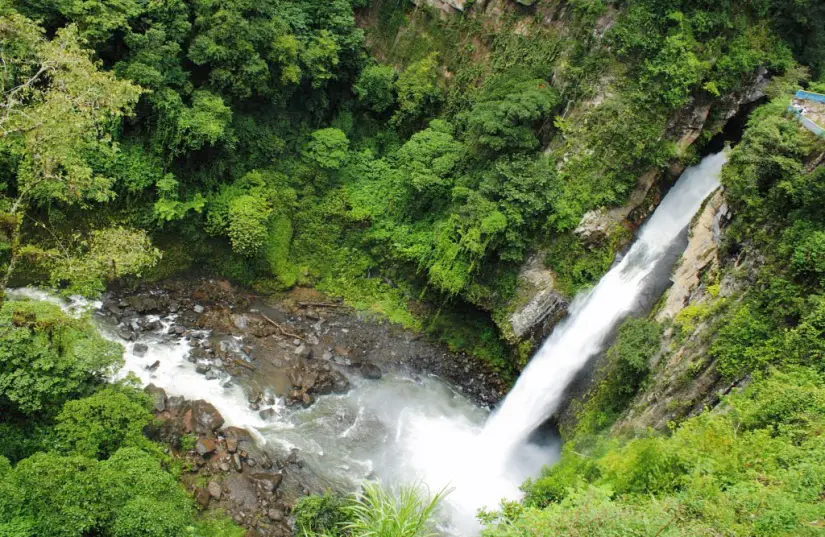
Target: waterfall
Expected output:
[595,314]
[404,429]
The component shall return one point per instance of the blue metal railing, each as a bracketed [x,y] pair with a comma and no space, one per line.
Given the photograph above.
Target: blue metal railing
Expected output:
[810,96]
[810,125]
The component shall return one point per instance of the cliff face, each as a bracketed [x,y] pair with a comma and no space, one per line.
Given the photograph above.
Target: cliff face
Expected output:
[683,379]
[539,304]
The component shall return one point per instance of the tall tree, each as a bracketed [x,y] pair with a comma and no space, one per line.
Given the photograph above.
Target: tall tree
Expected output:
[57,111]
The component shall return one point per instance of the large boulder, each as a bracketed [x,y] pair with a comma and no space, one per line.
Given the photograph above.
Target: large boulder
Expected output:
[206,417]
[158,396]
[148,303]
[538,305]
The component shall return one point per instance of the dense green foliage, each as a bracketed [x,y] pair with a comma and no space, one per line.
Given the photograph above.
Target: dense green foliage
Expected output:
[48,358]
[74,460]
[262,137]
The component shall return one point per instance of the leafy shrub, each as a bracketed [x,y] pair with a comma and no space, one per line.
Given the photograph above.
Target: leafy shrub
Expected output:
[48,357]
[418,90]
[320,515]
[248,219]
[150,517]
[100,424]
[376,87]
[328,149]
[744,342]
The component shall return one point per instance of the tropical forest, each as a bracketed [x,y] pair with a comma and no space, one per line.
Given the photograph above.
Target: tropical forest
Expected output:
[412,268]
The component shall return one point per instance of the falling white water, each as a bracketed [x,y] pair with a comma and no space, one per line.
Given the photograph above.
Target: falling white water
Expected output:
[594,314]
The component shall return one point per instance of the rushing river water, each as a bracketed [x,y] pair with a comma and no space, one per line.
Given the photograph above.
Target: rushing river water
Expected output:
[404,429]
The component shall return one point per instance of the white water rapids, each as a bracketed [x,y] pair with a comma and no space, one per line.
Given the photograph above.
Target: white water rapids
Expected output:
[402,429]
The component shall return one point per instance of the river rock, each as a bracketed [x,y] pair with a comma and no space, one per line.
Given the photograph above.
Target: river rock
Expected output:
[158,396]
[207,418]
[268,482]
[153,366]
[214,489]
[126,333]
[198,308]
[236,462]
[370,371]
[240,321]
[149,326]
[205,446]
[211,375]
[202,368]
[267,413]
[147,303]
[275,515]
[140,349]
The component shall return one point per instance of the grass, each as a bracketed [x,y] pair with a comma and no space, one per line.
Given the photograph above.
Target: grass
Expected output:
[384,512]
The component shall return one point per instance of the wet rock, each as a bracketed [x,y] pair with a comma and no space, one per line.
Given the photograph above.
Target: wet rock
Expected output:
[231,444]
[268,482]
[202,368]
[153,366]
[292,458]
[140,349]
[207,418]
[158,396]
[214,489]
[147,303]
[267,413]
[306,399]
[199,353]
[175,402]
[126,333]
[240,321]
[370,371]
[266,461]
[150,326]
[212,375]
[205,446]
[236,462]
[340,384]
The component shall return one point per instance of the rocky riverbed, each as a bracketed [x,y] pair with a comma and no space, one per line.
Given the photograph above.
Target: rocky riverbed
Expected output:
[284,354]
